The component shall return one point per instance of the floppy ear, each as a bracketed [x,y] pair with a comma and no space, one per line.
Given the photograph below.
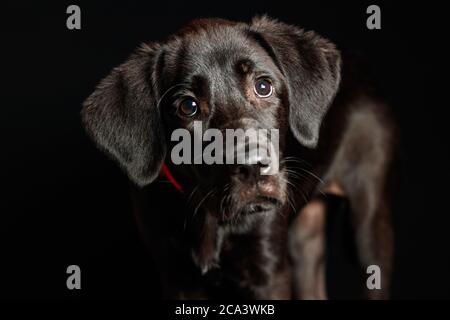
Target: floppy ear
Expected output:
[311,66]
[122,117]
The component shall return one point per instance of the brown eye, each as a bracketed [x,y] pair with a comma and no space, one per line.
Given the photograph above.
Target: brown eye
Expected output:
[263,88]
[188,107]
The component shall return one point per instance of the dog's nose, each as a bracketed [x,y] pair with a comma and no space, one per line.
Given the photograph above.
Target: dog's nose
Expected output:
[250,172]
[256,163]
[247,172]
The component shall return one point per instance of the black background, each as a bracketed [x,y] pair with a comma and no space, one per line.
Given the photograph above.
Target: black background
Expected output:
[63,202]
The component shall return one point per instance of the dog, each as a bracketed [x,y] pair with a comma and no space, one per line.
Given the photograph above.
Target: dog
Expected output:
[228,230]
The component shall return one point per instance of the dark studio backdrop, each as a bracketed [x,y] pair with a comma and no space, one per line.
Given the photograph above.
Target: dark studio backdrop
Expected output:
[63,202]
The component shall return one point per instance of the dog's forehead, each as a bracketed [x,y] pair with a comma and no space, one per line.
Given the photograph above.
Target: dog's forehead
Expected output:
[215,48]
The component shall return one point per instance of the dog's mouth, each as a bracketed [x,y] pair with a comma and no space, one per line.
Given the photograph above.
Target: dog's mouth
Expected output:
[261,205]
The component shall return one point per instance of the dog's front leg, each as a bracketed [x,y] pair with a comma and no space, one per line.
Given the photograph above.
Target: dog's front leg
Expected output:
[205,251]
[307,247]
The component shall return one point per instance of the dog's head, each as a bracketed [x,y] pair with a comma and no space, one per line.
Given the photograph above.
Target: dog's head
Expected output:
[216,74]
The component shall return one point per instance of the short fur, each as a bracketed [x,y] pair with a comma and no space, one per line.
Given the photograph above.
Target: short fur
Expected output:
[234,232]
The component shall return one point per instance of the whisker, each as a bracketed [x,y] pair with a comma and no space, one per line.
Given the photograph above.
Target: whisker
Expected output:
[296,188]
[291,203]
[192,193]
[312,174]
[295,160]
[201,201]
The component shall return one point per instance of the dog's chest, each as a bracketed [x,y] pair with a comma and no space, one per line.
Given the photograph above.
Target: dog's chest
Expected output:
[246,265]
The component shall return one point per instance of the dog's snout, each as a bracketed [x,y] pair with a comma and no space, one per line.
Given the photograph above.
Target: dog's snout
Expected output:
[244,172]
[255,162]
[249,172]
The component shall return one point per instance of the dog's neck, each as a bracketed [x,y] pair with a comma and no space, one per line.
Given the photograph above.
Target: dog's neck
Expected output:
[209,236]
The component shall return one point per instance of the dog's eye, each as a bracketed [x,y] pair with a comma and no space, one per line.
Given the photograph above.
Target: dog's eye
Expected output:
[188,107]
[263,88]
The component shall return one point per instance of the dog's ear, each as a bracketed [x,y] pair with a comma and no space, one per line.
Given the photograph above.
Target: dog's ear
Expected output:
[311,65]
[122,117]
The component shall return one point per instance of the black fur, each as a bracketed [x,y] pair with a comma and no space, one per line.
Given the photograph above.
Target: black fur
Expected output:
[228,234]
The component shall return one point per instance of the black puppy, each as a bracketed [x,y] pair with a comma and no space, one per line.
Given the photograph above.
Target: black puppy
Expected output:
[231,231]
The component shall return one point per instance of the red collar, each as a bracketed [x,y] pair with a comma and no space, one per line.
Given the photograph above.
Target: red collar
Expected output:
[166,173]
